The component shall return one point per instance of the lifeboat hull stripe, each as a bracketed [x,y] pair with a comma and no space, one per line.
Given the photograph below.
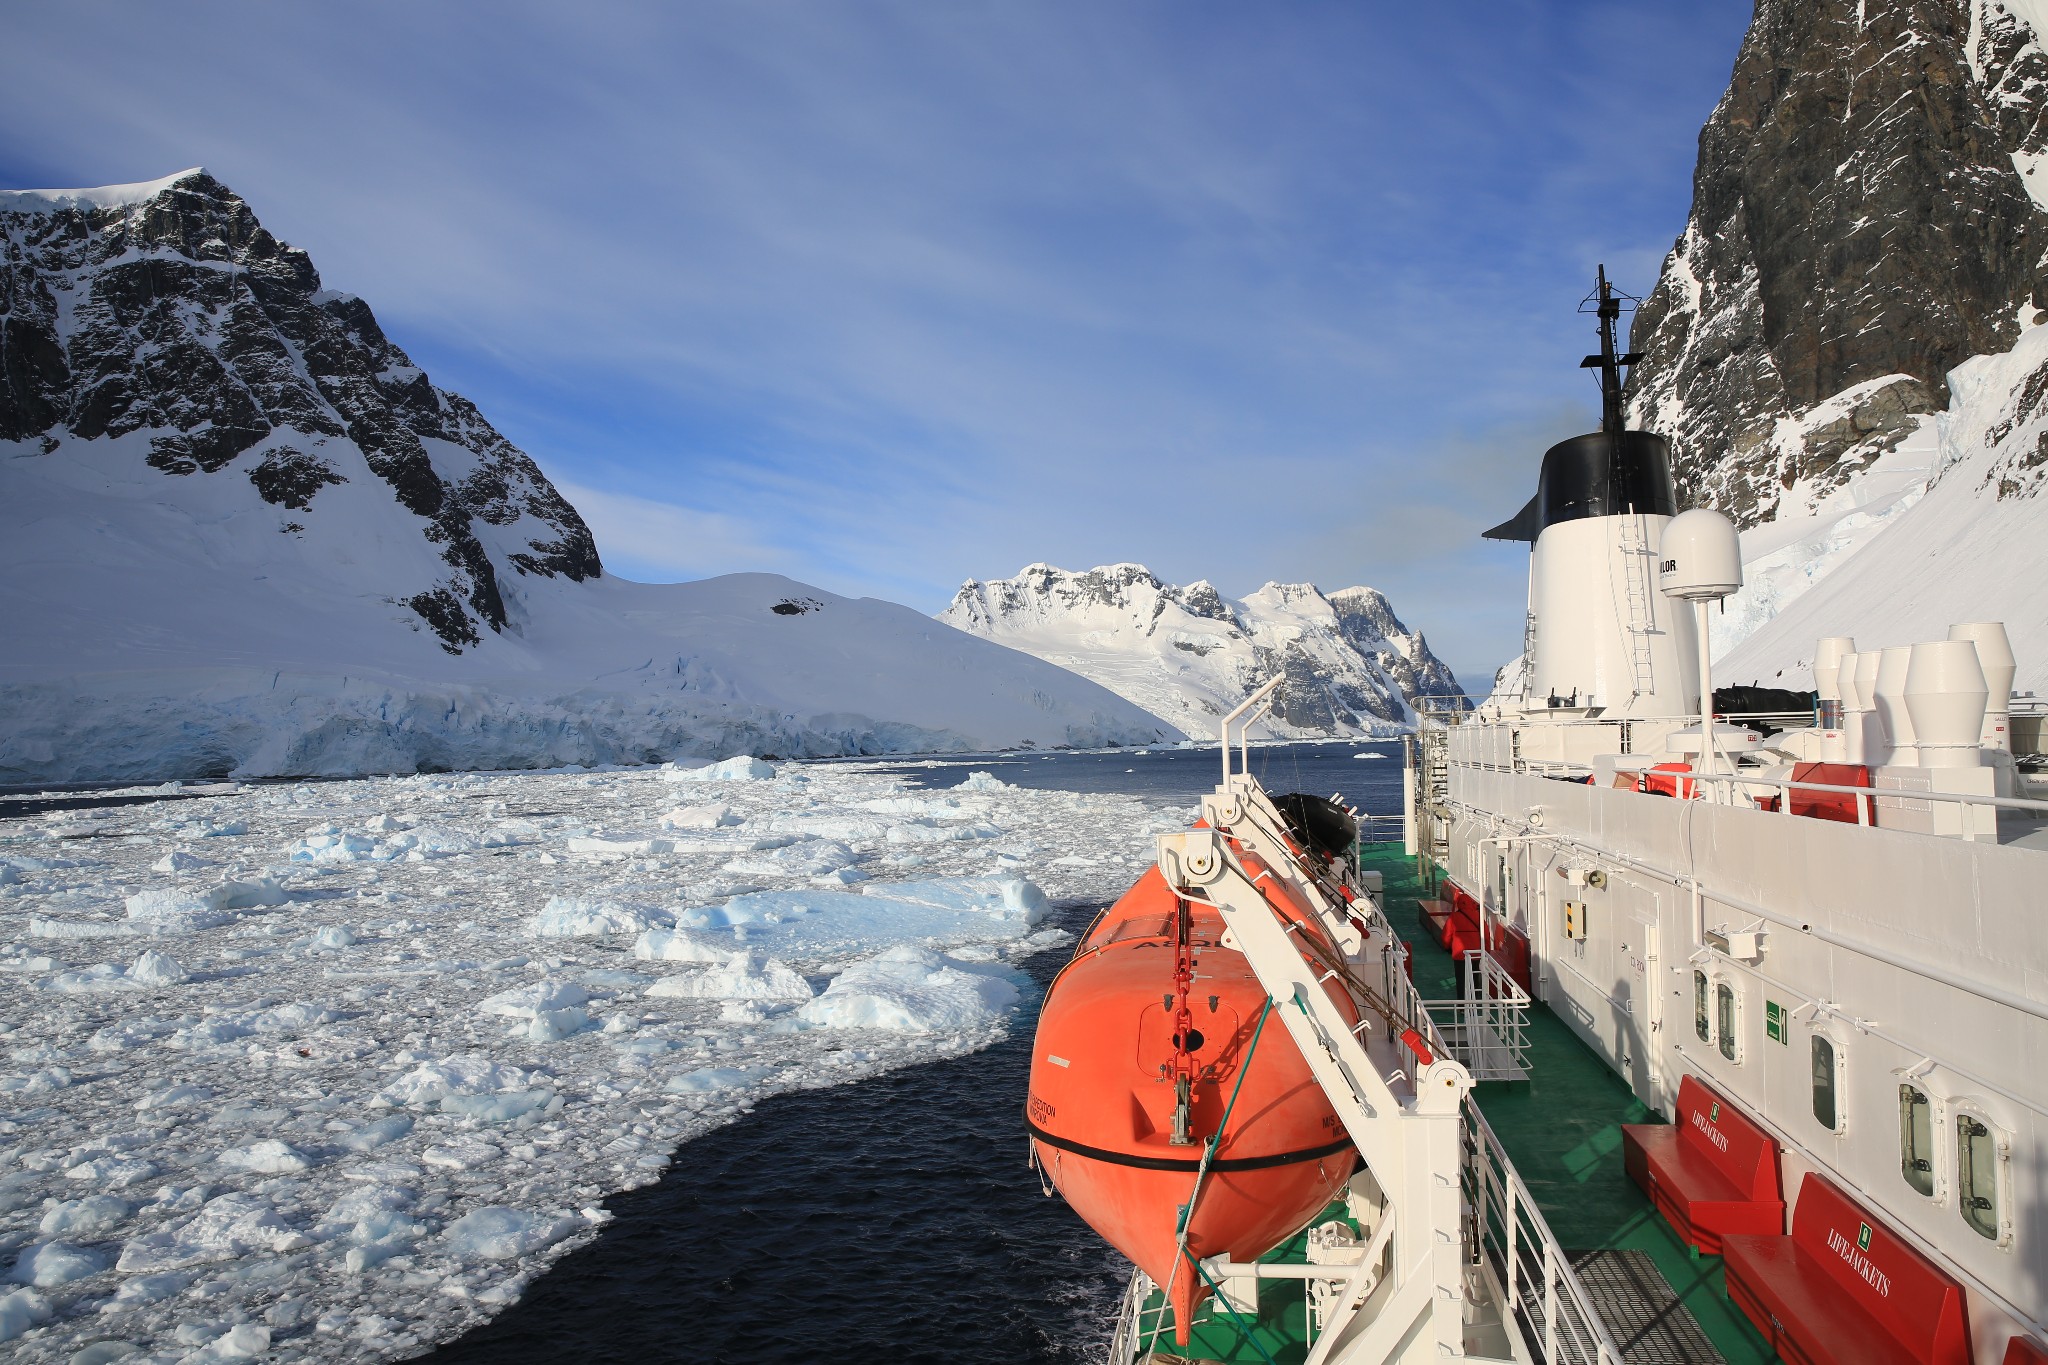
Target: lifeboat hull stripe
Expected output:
[1222,1166]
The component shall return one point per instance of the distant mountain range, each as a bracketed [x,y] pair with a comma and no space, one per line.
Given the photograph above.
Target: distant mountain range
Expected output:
[242,532]
[1188,654]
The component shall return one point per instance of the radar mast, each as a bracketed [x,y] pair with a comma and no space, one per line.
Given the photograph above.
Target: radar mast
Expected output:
[1606,301]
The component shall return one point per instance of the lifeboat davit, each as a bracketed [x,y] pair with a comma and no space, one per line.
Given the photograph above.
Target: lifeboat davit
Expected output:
[1107,1095]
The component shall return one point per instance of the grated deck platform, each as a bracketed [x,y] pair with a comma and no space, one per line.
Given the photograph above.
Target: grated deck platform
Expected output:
[1649,1321]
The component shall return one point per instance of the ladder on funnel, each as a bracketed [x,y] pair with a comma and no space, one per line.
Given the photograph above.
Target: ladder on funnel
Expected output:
[1642,619]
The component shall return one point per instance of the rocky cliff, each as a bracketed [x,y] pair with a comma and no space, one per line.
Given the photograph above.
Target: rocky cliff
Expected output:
[1845,343]
[1189,654]
[167,315]
[1862,219]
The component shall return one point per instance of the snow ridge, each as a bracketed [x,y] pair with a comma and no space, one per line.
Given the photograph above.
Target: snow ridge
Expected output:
[101,197]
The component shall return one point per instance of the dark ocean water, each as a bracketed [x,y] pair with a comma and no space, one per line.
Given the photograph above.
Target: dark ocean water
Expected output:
[890,1221]
[1373,785]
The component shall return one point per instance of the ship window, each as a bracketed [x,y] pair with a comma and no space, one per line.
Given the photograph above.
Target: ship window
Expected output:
[1702,1022]
[1977,1175]
[1916,1139]
[1724,1010]
[1824,1082]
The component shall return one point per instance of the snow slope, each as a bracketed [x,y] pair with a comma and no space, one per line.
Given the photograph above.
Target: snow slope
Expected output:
[243,533]
[1972,547]
[1189,655]
[262,680]
[329,1072]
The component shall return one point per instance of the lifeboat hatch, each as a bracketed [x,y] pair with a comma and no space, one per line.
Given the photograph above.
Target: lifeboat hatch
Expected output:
[1141,926]
[1218,1041]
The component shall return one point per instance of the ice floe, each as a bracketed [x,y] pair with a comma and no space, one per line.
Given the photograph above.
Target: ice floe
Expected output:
[740,769]
[746,975]
[916,991]
[575,917]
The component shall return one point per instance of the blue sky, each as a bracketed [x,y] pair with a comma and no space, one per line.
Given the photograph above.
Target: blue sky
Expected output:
[886,296]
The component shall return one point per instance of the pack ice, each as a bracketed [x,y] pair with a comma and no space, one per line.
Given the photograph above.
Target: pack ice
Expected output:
[330,1072]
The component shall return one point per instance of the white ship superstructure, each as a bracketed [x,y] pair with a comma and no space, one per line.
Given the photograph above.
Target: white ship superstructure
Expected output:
[1814,940]
[1835,920]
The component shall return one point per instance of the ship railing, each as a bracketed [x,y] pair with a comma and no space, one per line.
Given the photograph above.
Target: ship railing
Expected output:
[1443,709]
[1379,829]
[1486,1028]
[1976,815]
[1132,1329]
[1728,789]
[1534,1276]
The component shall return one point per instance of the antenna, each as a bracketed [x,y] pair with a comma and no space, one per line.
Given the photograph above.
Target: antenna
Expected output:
[1607,301]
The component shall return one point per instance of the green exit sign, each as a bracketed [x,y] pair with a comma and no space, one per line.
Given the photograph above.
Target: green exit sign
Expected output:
[1774,1021]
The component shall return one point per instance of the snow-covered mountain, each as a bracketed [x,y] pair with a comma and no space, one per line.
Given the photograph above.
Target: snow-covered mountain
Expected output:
[1846,344]
[1189,654]
[242,532]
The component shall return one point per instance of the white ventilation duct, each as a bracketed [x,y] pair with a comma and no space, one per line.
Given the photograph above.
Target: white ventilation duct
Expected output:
[1827,666]
[1994,654]
[1846,683]
[1945,694]
[1892,714]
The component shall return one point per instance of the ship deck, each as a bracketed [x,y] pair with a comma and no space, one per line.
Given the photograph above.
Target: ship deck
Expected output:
[1562,1129]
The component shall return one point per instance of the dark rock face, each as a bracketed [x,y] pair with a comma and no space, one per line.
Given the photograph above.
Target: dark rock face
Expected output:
[1367,620]
[1857,215]
[291,477]
[2022,470]
[181,317]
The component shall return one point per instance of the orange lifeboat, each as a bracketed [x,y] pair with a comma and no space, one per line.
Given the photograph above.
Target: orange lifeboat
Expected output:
[1147,1038]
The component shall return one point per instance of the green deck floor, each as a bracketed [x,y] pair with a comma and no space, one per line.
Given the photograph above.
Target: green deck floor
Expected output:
[1561,1128]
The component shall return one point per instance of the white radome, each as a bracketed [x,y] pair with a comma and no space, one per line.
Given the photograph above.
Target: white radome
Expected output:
[1702,556]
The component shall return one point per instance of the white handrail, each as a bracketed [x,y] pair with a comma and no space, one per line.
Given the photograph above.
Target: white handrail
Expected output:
[1501,1188]
[1262,693]
[1958,798]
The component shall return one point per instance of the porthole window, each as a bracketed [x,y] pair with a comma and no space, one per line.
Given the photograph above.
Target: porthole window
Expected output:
[1724,1010]
[1977,1175]
[1916,1139]
[1824,1088]
[1702,1021]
